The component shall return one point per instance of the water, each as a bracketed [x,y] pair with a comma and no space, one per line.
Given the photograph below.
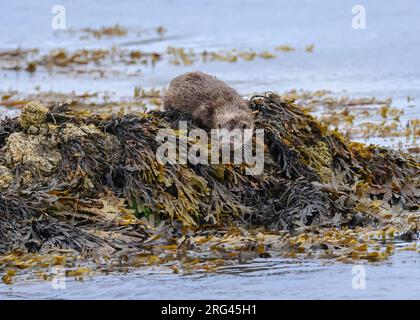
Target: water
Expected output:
[261,279]
[381,61]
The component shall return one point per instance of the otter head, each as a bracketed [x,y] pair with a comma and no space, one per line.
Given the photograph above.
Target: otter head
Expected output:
[232,124]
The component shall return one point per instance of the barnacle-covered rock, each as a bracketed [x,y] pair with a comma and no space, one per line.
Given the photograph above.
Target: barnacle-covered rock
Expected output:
[33,153]
[71,131]
[33,114]
[36,155]
[6,177]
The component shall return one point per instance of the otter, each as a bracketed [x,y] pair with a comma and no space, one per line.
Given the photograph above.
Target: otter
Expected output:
[211,102]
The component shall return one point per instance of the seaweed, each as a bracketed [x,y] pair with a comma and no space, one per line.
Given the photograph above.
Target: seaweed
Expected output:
[86,182]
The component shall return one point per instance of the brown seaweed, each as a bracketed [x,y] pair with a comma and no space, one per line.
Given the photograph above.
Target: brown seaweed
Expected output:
[106,178]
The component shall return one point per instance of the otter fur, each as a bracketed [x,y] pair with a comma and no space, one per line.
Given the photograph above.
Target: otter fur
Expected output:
[210,101]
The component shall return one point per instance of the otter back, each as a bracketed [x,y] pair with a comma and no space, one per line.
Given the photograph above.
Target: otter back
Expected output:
[205,97]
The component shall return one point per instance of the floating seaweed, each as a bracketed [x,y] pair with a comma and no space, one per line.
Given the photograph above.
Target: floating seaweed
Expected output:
[101,61]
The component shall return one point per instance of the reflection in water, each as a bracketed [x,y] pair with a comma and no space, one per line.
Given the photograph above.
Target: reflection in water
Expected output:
[259,279]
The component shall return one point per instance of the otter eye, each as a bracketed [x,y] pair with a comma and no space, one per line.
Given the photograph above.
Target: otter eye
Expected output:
[243,126]
[219,126]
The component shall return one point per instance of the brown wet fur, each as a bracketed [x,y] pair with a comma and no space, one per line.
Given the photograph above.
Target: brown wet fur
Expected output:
[210,101]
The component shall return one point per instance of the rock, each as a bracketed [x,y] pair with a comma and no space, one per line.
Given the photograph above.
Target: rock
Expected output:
[71,131]
[32,151]
[33,114]
[6,177]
